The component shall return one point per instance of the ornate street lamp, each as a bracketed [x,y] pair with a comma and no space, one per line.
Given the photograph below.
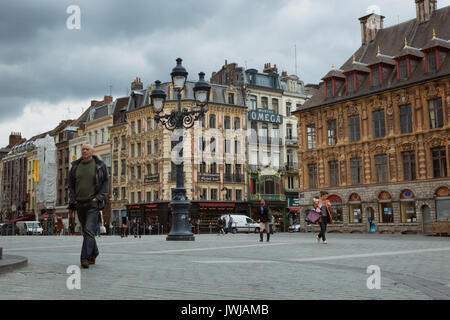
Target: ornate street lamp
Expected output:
[179,120]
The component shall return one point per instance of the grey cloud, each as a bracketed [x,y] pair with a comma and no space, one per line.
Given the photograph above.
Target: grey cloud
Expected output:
[119,40]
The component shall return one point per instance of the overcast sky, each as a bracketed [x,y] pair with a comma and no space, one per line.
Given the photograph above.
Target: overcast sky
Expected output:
[49,72]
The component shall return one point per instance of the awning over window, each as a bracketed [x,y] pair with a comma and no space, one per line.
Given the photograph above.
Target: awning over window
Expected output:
[219,204]
[27,217]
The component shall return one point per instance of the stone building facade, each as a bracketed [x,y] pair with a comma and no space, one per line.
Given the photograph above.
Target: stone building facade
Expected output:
[376,134]
[143,170]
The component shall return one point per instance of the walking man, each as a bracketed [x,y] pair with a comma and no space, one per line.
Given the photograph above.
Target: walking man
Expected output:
[88,188]
[264,220]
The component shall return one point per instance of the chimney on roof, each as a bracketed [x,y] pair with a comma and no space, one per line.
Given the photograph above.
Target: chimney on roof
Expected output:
[137,84]
[94,102]
[14,139]
[370,24]
[269,69]
[424,9]
[107,99]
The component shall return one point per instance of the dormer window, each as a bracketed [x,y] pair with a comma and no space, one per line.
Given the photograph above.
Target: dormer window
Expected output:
[402,69]
[376,76]
[431,61]
[230,98]
[351,83]
[333,81]
[329,88]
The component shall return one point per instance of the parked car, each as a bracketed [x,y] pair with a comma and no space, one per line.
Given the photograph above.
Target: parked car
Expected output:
[294,228]
[242,223]
[8,229]
[29,227]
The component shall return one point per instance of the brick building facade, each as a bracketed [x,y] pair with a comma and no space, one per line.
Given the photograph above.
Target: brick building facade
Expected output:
[376,134]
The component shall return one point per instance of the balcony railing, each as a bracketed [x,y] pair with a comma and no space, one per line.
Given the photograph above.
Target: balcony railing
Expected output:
[291,166]
[270,140]
[292,141]
[233,177]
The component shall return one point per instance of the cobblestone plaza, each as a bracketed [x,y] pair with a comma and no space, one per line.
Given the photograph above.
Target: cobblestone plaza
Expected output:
[232,267]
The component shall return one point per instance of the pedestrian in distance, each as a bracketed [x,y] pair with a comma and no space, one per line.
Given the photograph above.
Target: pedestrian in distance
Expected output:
[220,226]
[134,228]
[224,224]
[230,223]
[88,189]
[59,226]
[264,217]
[325,216]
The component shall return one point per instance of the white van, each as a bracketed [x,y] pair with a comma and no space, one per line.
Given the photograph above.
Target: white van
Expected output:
[29,227]
[242,223]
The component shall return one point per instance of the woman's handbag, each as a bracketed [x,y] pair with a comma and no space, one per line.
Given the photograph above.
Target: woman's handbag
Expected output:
[313,217]
[102,229]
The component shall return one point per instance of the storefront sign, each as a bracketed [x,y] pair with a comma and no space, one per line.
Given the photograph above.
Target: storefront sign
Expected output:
[151,178]
[265,115]
[293,202]
[205,177]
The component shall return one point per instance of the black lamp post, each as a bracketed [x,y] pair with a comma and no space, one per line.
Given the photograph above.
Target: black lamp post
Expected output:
[179,120]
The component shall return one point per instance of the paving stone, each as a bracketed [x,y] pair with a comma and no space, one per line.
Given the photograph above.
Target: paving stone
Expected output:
[290,267]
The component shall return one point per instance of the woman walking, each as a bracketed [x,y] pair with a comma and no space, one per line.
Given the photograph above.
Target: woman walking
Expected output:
[325,215]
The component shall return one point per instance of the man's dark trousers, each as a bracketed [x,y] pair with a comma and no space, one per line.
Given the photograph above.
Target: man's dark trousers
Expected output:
[88,216]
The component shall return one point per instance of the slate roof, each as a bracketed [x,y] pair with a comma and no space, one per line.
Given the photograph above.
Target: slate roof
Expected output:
[391,42]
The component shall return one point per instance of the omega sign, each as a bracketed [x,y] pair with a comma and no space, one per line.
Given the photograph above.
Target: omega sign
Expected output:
[265,115]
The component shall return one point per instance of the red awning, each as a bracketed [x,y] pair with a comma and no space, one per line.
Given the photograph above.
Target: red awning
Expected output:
[294,209]
[216,204]
[27,217]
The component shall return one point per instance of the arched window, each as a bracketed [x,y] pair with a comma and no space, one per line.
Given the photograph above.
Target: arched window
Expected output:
[355,215]
[270,185]
[442,203]
[336,208]
[385,207]
[408,206]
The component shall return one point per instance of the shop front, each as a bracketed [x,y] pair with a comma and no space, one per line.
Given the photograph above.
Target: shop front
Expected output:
[204,214]
[278,210]
[155,214]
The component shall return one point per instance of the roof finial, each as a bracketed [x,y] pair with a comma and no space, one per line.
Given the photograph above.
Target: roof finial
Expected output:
[406,43]
[434,34]
[354,60]
[332,66]
[378,52]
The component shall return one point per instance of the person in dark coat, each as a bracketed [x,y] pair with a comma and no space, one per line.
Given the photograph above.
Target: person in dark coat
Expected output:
[88,189]
[264,217]
[220,226]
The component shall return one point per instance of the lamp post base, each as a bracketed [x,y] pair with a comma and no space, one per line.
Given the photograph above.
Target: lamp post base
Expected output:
[181,228]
